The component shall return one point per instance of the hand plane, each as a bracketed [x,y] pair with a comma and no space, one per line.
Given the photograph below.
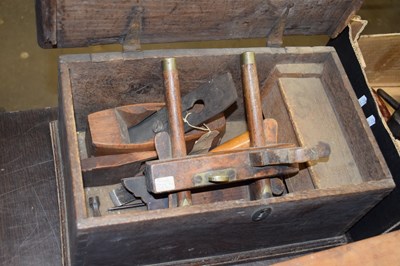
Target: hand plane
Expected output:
[132,128]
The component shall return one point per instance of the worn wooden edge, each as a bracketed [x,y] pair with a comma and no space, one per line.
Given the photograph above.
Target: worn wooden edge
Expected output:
[120,56]
[54,14]
[378,250]
[265,254]
[346,18]
[46,13]
[62,208]
[88,224]
[360,115]
[71,142]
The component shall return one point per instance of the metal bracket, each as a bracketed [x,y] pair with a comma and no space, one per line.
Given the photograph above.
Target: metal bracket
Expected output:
[275,35]
[131,41]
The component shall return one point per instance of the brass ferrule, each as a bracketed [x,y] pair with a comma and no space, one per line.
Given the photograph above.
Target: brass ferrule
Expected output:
[248,58]
[169,64]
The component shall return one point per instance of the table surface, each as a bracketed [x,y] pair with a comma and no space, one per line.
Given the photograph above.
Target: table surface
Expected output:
[29,220]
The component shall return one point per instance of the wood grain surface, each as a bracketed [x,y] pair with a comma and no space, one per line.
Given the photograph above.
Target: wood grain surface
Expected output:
[314,119]
[29,219]
[382,64]
[379,250]
[83,23]
[94,82]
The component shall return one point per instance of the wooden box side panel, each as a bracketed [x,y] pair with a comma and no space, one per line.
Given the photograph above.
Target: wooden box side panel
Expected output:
[83,23]
[70,178]
[96,82]
[366,152]
[105,81]
[192,232]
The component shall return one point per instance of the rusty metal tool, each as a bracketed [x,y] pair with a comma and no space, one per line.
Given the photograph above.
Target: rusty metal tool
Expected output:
[120,196]
[261,188]
[137,186]
[215,96]
[123,199]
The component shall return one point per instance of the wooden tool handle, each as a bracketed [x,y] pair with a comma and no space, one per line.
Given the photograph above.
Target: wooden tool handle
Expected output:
[177,133]
[243,140]
[252,100]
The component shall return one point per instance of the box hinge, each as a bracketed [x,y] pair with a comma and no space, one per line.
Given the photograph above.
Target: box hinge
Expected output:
[131,41]
[275,35]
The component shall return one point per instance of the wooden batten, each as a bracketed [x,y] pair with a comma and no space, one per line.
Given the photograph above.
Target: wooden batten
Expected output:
[75,23]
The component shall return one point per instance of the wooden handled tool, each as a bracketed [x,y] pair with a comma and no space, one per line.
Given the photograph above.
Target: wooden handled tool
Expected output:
[261,188]
[108,129]
[176,129]
[243,140]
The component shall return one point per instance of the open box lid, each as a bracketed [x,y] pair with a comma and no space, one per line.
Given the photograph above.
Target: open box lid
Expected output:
[77,23]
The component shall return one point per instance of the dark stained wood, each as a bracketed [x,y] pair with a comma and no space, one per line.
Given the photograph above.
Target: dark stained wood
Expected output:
[179,174]
[235,191]
[83,23]
[110,169]
[267,256]
[103,81]
[71,188]
[347,108]
[379,250]
[217,229]
[29,222]
[46,20]
[91,83]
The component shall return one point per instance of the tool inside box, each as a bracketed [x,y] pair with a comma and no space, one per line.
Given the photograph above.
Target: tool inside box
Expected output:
[304,91]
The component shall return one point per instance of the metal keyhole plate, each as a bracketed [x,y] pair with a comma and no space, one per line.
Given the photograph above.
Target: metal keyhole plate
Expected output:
[261,214]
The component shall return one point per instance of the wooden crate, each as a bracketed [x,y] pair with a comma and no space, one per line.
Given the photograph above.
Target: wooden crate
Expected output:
[321,203]
[304,89]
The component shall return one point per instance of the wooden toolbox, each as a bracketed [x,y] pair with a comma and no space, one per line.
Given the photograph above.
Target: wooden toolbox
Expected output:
[305,89]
